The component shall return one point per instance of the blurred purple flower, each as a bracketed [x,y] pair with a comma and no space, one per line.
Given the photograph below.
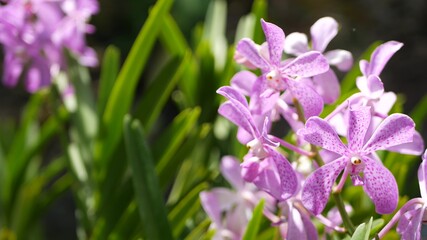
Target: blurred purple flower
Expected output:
[356,158]
[30,31]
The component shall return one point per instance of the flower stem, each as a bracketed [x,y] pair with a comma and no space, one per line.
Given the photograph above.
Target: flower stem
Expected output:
[344,215]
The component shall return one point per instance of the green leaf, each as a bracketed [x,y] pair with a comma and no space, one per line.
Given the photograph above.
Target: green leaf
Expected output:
[109,70]
[146,186]
[185,209]
[259,10]
[214,31]
[377,224]
[172,37]
[170,141]
[154,99]
[254,224]
[362,231]
[199,231]
[419,113]
[123,90]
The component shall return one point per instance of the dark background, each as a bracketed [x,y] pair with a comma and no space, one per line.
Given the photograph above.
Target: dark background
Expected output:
[362,22]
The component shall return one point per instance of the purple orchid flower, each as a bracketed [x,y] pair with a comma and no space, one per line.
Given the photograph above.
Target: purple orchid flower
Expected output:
[230,210]
[413,214]
[264,166]
[280,76]
[356,158]
[322,32]
[29,32]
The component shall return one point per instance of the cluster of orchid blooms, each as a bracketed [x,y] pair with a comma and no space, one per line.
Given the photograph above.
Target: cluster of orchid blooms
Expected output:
[35,34]
[296,89]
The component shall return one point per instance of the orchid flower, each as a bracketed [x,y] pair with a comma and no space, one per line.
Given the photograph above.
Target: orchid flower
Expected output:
[355,158]
[322,32]
[280,76]
[412,215]
[264,166]
[235,206]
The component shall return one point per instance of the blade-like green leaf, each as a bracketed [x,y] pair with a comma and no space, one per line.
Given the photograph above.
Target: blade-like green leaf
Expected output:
[123,90]
[172,37]
[259,10]
[362,231]
[254,224]
[154,99]
[109,70]
[419,113]
[214,31]
[185,209]
[147,191]
[171,139]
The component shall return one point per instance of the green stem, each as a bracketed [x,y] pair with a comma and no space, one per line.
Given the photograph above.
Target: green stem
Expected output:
[344,215]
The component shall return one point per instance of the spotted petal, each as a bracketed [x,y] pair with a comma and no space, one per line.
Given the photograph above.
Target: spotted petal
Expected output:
[359,120]
[381,56]
[318,132]
[310,100]
[318,185]
[416,147]
[380,185]
[306,65]
[327,86]
[249,50]
[394,130]
[244,82]
[322,32]
[275,39]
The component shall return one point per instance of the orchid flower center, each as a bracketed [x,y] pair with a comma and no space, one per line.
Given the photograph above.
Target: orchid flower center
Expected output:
[257,148]
[355,160]
[273,75]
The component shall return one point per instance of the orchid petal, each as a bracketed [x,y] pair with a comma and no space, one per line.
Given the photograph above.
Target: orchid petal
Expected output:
[296,228]
[385,103]
[394,130]
[342,59]
[233,94]
[249,50]
[275,39]
[422,176]
[358,124]
[306,65]
[318,185]
[230,169]
[372,86]
[364,67]
[244,82]
[322,32]
[318,132]
[250,169]
[210,204]
[382,55]
[409,226]
[296,43]
[380,185]
[310,100]
[327,86]
[416,147]
[310,229]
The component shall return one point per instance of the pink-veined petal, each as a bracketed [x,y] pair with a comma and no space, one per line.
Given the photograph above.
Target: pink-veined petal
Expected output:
[306,65]
[342,59]
[275,38]
[230,169]
[249,50]
[288,178]
[244,82]
[327,86]
[296,43]
[422,176]
[322,32]
[409,226]
[372,86]
[310,100]
[318,132]
[380,185]
[358,124]
[416,147]
[394,130]
[382,55]
[318,185]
